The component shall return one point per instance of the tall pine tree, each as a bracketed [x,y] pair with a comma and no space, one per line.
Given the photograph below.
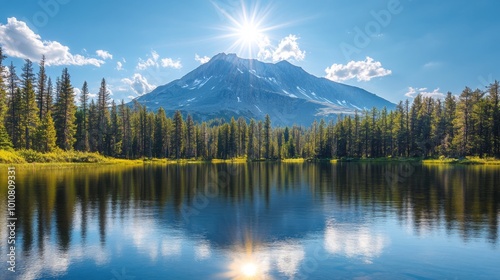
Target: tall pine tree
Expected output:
[64,112]
[29,110]
[5,142]
[103,118]
[42,92]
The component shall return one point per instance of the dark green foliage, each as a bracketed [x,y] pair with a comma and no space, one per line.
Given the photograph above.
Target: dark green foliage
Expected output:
[29,119]
[468,125]
[65,112]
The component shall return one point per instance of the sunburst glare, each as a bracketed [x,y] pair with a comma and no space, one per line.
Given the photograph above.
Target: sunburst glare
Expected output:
[248,261]
[248,28]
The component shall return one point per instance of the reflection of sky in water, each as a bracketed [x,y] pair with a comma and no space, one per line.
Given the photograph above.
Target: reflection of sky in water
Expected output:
[353,242]
[139,234]
[142,237]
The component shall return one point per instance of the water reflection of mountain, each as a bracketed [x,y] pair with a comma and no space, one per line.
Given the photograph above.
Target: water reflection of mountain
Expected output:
[269,201]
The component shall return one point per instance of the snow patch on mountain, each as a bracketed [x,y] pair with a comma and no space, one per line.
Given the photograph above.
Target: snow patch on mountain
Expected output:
[286,92]
[253,72]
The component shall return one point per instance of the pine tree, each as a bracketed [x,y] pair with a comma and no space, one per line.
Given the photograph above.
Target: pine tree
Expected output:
[232,148]
[29,110]
[160,134]
[462,122]
[177,135]
[190,138]
[259,133]
[438,128]
[5,143]
[450,108]
[482,123]
[223,141]
[14,111]
[494,98]
[49,102]
[202,141]
[251,140]
[82,139]
[125,115]
[115,131]
[267,137]
[103,118]
[3,92]
[149,134]
[64,112]
[242,137]
[41,90]
[46,134]
[93,125]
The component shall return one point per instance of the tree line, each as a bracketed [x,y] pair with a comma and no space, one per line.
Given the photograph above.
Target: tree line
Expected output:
[37,113]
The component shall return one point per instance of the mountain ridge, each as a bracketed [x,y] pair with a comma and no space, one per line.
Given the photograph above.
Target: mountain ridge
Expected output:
[228,86]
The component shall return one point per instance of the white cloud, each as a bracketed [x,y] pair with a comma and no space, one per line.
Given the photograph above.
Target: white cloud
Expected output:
[265,48]
[413,92]
[363,70]
[139,84]
[77,93]
[143,64]
[104,54]
[119,66]
[155,61]
[6,74]
[18,40]
[155,55]
[168,62]
[288,48]
[201,60]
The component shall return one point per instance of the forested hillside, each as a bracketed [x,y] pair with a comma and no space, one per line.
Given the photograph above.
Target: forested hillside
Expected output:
[41,114]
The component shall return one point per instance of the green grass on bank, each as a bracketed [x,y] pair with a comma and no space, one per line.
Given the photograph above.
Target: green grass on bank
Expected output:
[59,157]
[463,161]
[71,157]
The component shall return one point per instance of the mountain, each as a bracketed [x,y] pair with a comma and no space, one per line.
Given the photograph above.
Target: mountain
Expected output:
[228,86]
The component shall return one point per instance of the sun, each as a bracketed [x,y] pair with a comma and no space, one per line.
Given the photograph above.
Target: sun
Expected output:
[248,29]
[249,33]
[249,270]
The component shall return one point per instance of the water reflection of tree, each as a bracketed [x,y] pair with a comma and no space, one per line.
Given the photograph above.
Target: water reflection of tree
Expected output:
[464,200]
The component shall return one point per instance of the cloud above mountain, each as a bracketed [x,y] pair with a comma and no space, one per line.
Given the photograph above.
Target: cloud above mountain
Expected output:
[363,70]
[138,84]
[288,48]
[154,60]
[18,40]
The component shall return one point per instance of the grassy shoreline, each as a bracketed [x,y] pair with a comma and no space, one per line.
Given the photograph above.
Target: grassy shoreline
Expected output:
[31,158]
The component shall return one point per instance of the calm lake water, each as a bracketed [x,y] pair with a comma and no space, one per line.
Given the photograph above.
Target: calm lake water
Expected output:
[256,221]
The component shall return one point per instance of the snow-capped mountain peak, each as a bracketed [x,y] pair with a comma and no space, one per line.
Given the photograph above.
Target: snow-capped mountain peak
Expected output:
[229,86]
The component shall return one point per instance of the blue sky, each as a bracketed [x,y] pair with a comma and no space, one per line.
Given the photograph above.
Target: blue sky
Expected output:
[389,47]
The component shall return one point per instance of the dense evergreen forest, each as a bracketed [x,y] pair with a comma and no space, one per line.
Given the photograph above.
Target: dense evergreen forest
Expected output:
[40,114]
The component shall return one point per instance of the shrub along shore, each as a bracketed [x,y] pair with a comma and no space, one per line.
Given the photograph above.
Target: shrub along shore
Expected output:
[20,157]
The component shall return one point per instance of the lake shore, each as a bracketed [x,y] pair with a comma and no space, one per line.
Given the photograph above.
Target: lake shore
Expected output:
[69,158]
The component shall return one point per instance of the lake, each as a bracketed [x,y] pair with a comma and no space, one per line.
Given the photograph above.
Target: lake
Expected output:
[255,221]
